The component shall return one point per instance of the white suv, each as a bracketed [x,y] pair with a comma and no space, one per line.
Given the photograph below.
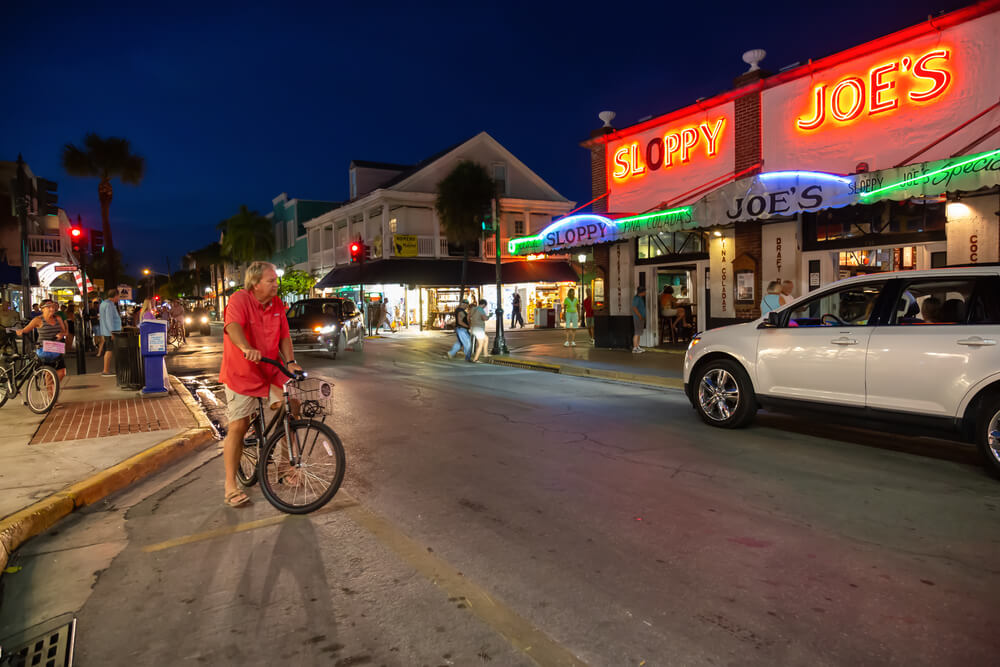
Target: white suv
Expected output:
[916,347]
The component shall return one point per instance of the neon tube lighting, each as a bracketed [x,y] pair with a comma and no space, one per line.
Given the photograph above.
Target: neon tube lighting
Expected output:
[513,245]
[810,174]
[914,180]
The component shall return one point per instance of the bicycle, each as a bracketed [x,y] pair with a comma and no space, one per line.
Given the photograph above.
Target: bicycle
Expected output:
[303,458]
[42,382]
[175,334]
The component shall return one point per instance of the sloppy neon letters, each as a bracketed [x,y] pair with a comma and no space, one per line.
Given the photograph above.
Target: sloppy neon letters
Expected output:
[879,91]
[674,148]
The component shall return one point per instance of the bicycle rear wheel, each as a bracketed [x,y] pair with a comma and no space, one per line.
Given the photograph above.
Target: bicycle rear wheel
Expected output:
[42,390]
[309,485]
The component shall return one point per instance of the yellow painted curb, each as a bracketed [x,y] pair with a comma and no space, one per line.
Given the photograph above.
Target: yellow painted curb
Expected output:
[35,519]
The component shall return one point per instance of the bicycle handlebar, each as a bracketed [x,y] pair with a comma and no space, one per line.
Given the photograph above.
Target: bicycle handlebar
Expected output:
[294,375]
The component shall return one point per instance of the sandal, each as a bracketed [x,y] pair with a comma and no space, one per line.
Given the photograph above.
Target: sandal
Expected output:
[236,499]
[292,478]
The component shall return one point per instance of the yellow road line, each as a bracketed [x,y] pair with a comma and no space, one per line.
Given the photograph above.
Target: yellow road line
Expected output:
[337,504]
[517,630]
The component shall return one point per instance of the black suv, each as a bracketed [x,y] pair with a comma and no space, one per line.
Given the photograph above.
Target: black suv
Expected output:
[325,324]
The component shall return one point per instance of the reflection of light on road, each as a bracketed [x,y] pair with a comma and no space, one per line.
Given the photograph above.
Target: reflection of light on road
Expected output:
[204,389]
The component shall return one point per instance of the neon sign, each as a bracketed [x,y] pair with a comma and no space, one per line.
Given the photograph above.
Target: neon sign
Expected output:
[879,90]
[943,176]
[588,229]
[670,150]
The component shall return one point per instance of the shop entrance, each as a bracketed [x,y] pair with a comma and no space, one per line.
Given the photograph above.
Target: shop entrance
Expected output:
[677,302]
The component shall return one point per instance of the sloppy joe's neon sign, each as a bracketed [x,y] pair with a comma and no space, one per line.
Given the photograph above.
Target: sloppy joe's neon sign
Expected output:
[672,149]
[879,90]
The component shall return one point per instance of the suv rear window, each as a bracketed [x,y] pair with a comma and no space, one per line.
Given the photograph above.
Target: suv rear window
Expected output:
[934,301]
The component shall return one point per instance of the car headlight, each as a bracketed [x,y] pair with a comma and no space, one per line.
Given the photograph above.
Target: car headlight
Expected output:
[204,319]
[331,328]
[187,320]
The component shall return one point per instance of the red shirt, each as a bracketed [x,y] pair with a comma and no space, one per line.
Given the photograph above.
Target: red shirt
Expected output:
[264,328]
[588,308]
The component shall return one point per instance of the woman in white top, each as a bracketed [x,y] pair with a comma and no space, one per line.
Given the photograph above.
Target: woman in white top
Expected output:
[477,329]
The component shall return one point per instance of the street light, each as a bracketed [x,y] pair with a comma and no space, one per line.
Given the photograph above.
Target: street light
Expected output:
[280,272]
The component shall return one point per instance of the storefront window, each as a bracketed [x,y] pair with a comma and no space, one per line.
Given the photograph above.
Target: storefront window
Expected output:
[671,243]
[875,224]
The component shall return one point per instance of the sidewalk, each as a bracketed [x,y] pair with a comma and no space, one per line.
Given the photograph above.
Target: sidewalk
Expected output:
[96,440]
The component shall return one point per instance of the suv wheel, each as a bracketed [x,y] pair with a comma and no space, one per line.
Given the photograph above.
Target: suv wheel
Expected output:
[988,433]
[723,395]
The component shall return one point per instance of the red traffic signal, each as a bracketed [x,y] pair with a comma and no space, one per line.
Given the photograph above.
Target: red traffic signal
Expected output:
[78,238]
[357,251]
[75,232]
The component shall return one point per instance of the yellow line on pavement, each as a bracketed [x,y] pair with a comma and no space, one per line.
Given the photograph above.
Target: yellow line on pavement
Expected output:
[524,636]
[337,504]
[517,630]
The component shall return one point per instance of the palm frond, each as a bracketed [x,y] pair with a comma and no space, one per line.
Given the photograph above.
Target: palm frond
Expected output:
[77,162]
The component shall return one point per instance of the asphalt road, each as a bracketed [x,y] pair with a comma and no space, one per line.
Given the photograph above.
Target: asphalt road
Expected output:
[511,517]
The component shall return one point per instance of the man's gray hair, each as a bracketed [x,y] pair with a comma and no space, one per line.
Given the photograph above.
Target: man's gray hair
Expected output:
[255,273]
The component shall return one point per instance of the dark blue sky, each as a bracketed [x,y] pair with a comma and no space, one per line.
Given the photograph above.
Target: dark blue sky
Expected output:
[233,105]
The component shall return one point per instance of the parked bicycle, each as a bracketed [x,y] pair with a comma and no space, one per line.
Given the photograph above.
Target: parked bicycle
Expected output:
[25,370]
[175,334]
[297,458]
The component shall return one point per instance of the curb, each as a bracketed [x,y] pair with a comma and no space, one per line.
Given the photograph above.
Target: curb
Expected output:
[192,405]
[33,520]
[643,380]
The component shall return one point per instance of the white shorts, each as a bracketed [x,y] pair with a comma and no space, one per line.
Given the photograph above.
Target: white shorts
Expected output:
[572,320]
[239,406]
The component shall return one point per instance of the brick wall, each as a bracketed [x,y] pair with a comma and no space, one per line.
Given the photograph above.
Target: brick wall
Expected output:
[598,173]
[748,153]
[748,241]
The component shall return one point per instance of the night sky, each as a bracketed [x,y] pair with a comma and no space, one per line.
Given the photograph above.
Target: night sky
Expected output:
[233,105]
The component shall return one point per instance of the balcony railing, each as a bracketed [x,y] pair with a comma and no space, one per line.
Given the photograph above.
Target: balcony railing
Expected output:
[44,246]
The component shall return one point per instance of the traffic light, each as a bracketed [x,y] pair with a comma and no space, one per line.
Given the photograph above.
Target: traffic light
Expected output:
[78,241]
[488,223]
[357,251]
[45,194]
[96,242]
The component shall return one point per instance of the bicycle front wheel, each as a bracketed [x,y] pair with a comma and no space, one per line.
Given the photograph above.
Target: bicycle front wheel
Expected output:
[42,390]
[301,474]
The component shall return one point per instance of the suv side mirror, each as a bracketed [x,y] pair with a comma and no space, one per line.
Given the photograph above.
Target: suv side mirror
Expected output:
[770,322]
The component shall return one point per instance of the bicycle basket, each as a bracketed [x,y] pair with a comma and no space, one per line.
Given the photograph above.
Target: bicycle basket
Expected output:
[314,395]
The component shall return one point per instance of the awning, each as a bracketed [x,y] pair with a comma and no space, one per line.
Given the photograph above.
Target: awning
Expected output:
[11,275]
[775,194]
[447,273]
[787,193]
[422,272]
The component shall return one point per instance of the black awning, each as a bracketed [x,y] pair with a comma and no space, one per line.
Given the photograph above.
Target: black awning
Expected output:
[447,273]
[538,271]
[11,275]
[422,272]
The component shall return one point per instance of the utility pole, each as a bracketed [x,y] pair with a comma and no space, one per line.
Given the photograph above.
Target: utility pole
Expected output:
[81,353]
[499,344]
[21,204]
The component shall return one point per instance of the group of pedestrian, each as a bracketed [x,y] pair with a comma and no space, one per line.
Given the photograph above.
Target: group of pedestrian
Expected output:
[470,331]
[779,293]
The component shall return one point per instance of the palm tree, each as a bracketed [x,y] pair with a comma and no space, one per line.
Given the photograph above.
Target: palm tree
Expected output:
[247,236]
[463,201]
[105,159]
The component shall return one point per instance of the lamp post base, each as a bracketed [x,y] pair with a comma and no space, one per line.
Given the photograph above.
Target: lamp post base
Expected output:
[499,343]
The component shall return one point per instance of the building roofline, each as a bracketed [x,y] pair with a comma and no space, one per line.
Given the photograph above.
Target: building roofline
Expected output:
[930,26]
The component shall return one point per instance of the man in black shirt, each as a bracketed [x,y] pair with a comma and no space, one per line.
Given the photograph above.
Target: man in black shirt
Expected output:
[462,331]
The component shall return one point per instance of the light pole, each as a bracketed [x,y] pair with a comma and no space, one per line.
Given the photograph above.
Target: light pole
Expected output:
[149,280]
[499,344]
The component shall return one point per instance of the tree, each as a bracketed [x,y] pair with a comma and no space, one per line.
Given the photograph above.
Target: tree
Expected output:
[105,159]
[295,282]
[247,237]
[463,201]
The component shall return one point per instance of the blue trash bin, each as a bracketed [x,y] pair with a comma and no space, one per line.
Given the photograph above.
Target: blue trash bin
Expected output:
[153,346]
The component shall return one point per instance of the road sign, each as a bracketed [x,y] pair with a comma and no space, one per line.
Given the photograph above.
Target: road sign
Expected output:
[125,292]
[66,267]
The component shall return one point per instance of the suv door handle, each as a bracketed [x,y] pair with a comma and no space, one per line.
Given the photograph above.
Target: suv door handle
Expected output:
[844,340]
[976,341]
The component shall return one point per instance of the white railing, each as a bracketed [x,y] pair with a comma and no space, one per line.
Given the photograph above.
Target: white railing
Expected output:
[490,247]
[425,246]
[39,244]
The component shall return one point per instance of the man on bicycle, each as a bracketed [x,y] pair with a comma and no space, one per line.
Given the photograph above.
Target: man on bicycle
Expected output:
[177,314]
[255,327]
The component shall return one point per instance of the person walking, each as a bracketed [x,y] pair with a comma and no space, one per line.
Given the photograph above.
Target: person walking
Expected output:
[477,330]
[588,315]
[385,319]
[111,322]
[515,311]
[771,300]
[51,328]
[571,313]
[70,320]
[786,296]
[461,331]
[254,326]
[147,312]
[638,318]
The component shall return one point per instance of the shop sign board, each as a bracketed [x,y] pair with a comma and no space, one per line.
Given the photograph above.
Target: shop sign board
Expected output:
[404,245]
[590,229]
[882,104]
